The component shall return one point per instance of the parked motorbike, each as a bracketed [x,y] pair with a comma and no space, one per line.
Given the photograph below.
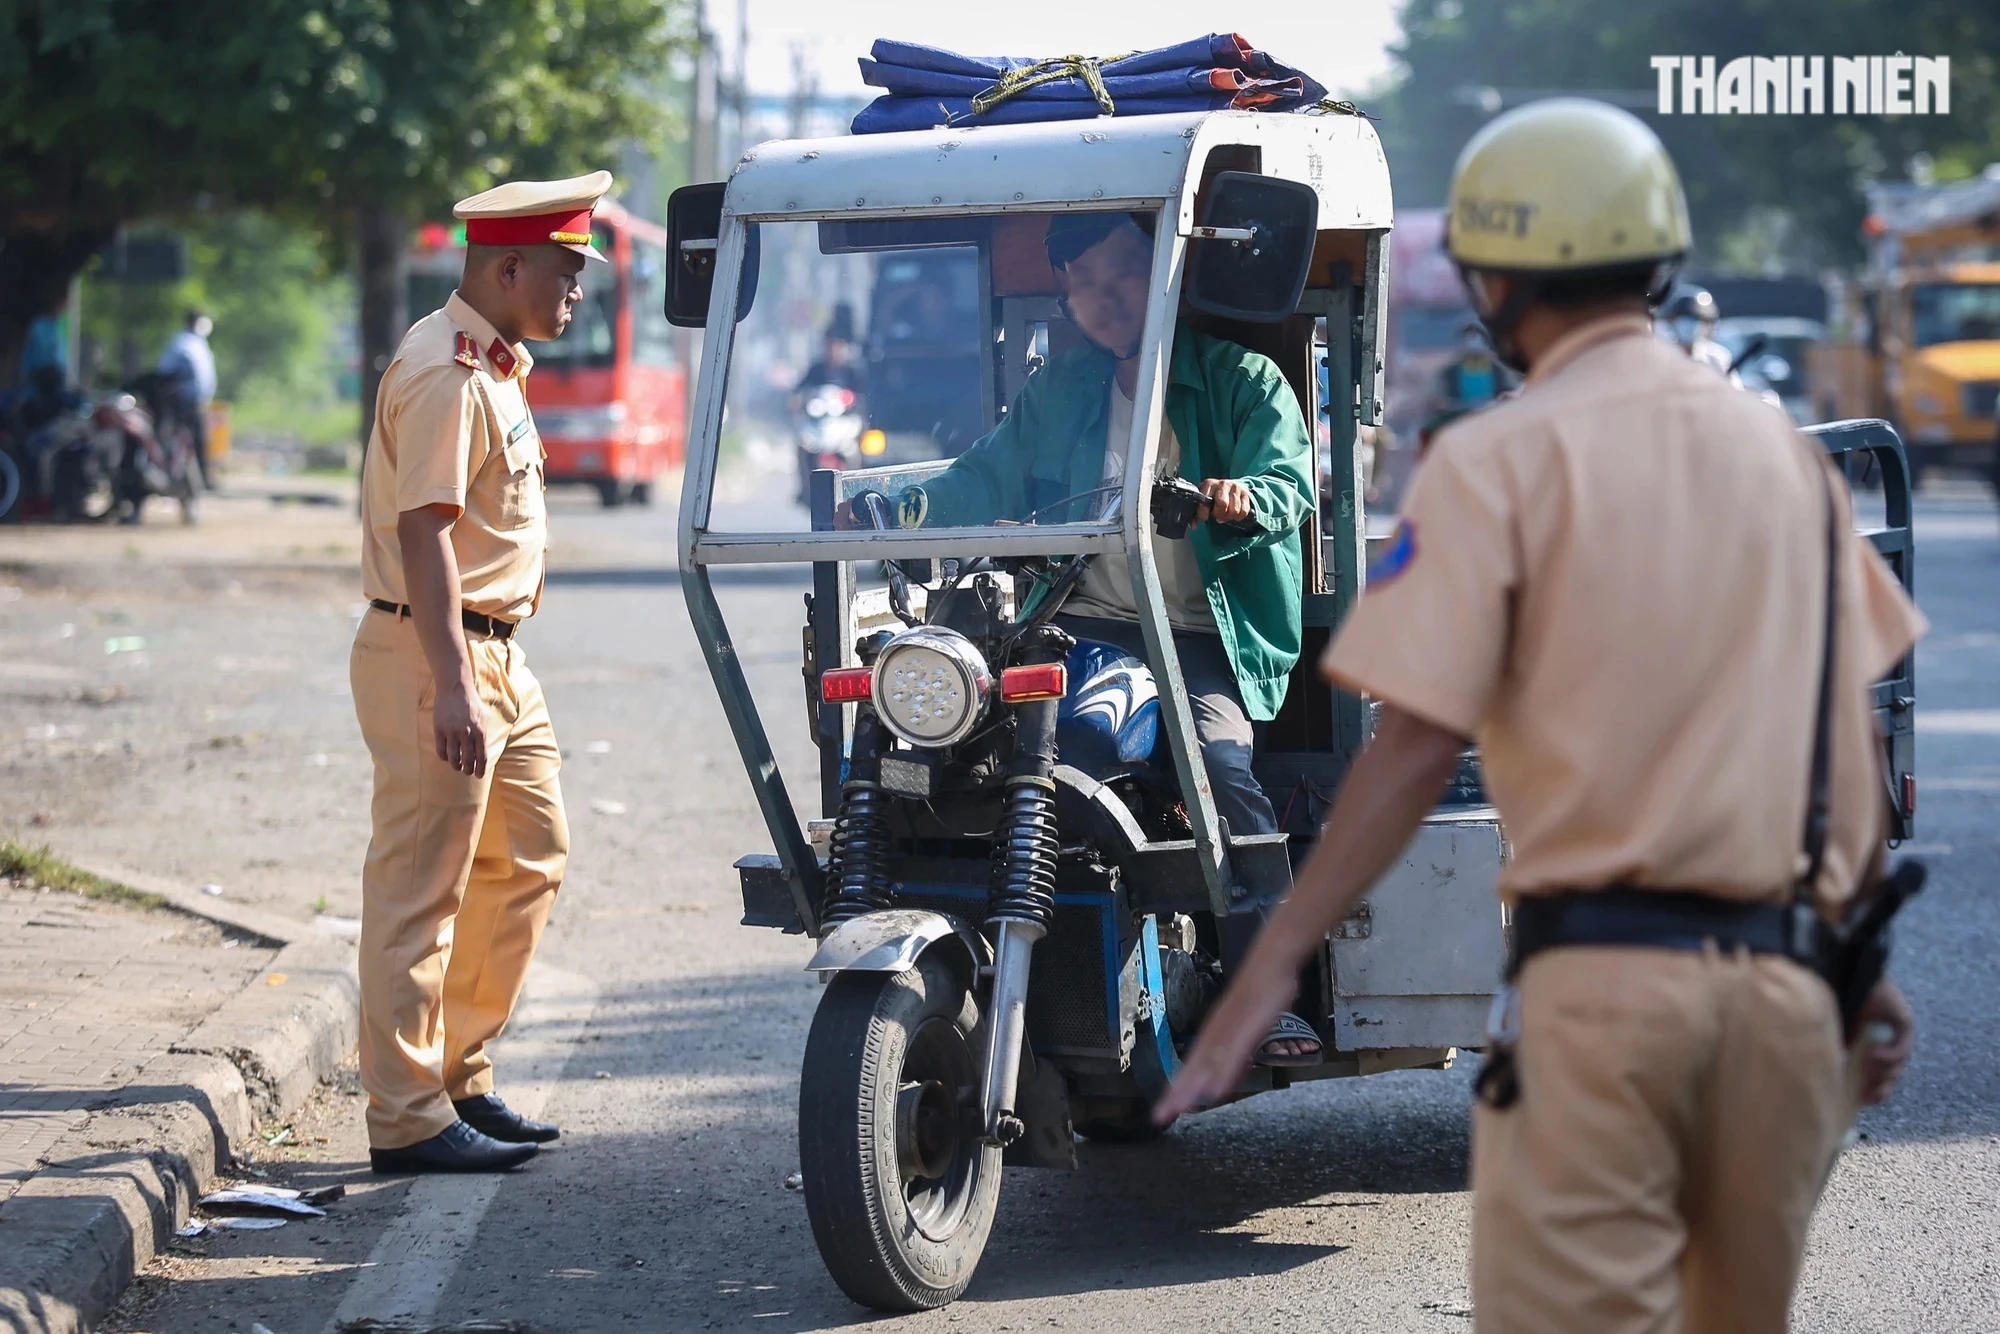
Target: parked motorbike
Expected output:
[10,477]
[34,422]
[155,450]
[78,470]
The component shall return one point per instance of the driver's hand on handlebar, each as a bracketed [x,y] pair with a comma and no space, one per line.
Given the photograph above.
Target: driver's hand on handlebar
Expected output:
[1228,501]
[870,509]
[873,510]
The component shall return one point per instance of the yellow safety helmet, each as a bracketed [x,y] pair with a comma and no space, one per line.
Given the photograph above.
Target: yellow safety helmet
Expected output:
[1562,185]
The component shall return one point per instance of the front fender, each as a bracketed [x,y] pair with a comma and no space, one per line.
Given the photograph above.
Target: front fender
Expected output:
[892,940]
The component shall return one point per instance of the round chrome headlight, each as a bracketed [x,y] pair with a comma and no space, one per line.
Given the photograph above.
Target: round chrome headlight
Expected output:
[931,686]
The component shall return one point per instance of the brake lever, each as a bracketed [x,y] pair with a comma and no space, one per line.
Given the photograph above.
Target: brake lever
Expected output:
[1177,503]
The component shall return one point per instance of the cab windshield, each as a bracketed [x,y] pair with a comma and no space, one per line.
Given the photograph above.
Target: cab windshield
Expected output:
[890,351]
[1954,313]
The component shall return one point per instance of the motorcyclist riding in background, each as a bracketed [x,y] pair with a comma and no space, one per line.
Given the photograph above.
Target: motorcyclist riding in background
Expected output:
[825,403]
[1688,318]
[837,362]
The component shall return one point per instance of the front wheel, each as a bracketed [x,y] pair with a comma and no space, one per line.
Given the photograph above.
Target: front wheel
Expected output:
[898,1185]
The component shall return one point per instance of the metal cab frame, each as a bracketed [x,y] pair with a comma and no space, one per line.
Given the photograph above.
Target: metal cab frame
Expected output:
[1164,164]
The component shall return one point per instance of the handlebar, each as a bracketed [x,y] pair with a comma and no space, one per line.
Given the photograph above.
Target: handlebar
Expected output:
[1177,504]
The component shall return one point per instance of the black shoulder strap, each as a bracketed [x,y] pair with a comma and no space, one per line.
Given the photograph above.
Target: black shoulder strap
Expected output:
[1818,801]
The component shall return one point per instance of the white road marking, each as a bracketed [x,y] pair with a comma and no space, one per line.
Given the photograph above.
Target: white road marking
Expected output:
[406,1275]
[1961,722]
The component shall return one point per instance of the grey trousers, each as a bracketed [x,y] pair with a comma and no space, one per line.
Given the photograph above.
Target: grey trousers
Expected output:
[1228,740]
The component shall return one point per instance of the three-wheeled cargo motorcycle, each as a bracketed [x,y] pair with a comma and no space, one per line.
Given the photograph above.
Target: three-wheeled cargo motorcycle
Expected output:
[1019,874]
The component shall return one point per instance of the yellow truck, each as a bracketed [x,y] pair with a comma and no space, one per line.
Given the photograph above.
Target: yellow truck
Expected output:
[1923,345]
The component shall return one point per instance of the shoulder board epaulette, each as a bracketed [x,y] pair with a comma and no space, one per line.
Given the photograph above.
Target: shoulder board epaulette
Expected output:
[465,351]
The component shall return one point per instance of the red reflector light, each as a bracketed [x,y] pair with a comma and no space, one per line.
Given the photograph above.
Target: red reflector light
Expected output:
[846,685]
[1042,680]
[1909,795]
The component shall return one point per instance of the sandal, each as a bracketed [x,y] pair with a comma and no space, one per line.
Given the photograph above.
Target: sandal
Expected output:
[1290,1028]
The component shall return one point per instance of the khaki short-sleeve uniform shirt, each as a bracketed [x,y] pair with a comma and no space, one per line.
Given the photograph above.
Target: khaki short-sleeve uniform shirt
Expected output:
[1615,583]
[452,427]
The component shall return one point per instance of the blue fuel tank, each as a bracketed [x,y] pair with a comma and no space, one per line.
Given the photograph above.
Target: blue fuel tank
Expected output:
[1109,721]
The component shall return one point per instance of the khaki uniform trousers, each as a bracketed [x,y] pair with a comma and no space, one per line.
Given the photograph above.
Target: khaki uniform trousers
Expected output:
[1678,1117]
[460,877]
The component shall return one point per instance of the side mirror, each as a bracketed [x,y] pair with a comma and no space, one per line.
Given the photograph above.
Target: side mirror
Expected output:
[694,224]
[1253,247]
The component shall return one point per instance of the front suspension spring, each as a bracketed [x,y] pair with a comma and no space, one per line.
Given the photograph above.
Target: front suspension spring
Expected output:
[1025,858]
[858,873]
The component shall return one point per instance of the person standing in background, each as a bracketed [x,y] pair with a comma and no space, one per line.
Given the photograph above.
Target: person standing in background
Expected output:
[188,365]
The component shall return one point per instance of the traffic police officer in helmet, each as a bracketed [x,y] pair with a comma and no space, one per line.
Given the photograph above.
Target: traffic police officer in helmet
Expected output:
[1639,590]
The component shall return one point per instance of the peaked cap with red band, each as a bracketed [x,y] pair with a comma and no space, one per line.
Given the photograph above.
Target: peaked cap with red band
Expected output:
[535,213]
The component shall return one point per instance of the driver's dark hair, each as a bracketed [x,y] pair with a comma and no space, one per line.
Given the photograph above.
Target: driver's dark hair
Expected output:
[1070,234]
[1596,287]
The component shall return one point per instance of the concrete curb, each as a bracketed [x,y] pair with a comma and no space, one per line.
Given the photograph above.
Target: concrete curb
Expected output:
[283,1037]
[246,918]
[115,1190]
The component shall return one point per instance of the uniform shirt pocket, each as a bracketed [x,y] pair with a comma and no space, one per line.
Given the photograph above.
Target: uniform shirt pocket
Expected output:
[521,488]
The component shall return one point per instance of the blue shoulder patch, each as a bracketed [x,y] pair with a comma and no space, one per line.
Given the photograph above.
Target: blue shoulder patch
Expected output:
[1395,557]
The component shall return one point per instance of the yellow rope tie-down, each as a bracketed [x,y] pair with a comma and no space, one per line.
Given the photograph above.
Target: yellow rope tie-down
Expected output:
[1329,106]
[1087,68]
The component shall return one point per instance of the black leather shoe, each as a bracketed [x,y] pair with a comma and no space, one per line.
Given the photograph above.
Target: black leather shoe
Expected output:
[456,1148]
[492,1117]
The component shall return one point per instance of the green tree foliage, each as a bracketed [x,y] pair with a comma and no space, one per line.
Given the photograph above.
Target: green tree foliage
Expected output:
[333,110]
[1807,168]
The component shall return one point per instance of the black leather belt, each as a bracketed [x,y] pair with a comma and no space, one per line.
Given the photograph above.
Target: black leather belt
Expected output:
[1622,915]
[474,621]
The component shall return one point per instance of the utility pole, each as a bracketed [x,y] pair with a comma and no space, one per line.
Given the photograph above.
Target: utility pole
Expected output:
[804,94]
[701,163]
[740,93]
[702,122]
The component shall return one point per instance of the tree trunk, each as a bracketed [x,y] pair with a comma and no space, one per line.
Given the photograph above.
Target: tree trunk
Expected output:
[383,319]
[36,268]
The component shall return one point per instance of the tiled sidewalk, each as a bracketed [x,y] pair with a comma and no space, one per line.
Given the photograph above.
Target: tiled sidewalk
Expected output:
[89,991]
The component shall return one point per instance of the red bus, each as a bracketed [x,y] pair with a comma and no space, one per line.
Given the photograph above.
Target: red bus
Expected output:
[610,395]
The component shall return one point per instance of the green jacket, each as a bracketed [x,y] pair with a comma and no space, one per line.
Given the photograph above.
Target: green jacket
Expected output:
[1236,417]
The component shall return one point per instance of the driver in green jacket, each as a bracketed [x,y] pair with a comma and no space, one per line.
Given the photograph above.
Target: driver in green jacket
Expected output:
[1232,586]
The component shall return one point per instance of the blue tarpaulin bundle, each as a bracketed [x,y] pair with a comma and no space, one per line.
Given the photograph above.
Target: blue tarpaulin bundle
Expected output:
[925,86]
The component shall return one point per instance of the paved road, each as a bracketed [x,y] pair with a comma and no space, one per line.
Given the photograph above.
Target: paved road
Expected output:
[665,1038]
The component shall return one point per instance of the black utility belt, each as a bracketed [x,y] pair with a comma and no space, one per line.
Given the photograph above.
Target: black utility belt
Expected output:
[1626,916]
[477,622]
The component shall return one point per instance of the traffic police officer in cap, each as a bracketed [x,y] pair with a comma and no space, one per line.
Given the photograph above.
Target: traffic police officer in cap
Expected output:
[469,840]
[1618,583]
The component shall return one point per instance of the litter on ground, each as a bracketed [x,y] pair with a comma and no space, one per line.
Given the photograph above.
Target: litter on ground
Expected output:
[260,1200]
